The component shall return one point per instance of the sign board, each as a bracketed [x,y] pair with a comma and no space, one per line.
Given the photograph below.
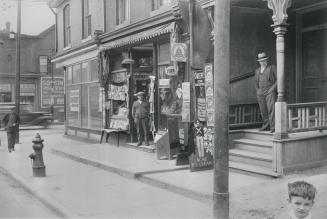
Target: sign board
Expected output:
[27,90]
[170,71]
[119,77]
[202,158]
[5,88]
[52,91]
[178,52]
[74,100]
[163,83]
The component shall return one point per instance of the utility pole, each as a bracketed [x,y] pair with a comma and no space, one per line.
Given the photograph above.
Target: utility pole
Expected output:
[17,79]
[221,97]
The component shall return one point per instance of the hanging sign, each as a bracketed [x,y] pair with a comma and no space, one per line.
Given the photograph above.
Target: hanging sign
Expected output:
[170,71]
[178,52]
[202,158]
[119,77]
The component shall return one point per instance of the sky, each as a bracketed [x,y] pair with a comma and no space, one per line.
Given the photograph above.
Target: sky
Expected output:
[36,16]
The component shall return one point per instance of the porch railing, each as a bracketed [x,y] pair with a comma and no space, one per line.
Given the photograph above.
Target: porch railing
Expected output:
[307,116]
[244,115]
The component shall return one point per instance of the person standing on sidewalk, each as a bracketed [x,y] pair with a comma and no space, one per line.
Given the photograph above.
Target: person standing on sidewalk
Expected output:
[11,122]
[140,113]
[266,87]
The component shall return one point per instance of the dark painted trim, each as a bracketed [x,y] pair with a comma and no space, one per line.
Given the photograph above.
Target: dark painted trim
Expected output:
[241,77]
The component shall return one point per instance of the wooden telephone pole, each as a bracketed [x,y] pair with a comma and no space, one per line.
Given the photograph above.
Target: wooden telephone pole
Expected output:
[221,97]
[17,78]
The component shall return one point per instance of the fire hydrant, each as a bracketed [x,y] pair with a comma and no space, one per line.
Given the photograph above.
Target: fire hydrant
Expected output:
[37,157]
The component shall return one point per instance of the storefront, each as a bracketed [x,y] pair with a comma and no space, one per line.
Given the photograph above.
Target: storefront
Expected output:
[28,91]
[142,62]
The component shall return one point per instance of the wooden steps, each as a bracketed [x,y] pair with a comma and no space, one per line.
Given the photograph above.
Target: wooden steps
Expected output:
[253,153]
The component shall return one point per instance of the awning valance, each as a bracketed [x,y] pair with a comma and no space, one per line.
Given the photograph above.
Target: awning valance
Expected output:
[138,37]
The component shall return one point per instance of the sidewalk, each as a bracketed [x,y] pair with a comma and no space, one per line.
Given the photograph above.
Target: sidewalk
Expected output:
[250,196]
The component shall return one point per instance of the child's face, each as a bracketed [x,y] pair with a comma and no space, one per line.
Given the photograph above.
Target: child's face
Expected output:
[300,206]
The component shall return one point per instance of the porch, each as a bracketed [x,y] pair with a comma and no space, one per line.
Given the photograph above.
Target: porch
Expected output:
[263,152]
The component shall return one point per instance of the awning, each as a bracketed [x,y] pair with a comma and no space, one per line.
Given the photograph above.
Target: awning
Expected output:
[138,37]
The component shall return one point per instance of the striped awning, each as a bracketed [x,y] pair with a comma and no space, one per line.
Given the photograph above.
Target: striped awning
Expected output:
[139,37]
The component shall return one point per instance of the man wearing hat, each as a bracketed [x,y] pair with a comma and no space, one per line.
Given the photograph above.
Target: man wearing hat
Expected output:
[140,113]
[266,86]
[11,122]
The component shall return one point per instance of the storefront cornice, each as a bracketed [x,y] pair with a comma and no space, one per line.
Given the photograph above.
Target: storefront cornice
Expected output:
[152,22]
[74,54]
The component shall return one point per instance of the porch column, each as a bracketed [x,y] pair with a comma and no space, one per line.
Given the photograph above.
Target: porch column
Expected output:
[221,97]
[279,17]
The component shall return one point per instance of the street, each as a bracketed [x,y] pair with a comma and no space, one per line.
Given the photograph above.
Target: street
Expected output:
[91,192]
[15,202]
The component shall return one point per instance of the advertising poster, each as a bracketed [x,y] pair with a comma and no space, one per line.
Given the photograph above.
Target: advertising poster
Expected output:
[74,100]
[52,91]
[186,105]
[202,158]
[199,78]
[178,52]
[210,104]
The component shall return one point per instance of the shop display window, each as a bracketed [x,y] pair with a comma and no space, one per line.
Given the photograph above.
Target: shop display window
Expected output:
[84,103]
[5,97]
[73,106]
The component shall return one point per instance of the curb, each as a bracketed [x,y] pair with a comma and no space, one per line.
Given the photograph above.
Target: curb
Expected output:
[143,177]
[107,167]
[46,200]
[176,189]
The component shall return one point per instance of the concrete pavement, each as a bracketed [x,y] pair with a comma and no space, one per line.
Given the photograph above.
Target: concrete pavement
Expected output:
[68,182]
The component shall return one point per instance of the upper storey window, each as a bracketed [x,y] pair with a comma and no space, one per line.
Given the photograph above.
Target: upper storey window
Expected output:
[86,18]
[157,4]
[122,11]
[66,26]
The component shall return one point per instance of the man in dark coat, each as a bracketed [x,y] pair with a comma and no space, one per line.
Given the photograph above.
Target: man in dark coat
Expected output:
[11,122]
[266,86]
[140,113]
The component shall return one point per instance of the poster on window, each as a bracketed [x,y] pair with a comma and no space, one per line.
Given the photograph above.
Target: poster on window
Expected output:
[74,100]
[52,91]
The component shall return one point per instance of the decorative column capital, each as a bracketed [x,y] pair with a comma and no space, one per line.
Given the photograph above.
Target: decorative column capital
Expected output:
[279,8]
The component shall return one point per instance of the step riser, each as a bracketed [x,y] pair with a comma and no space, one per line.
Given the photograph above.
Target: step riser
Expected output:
[254,148]
[258,136]
[252,161]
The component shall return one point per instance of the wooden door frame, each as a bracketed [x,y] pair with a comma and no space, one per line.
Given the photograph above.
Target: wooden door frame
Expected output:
[299,30]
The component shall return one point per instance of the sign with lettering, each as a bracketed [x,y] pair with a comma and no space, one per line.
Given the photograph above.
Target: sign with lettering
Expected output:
[52,91]
[5,88]
[27,90]
[209,94]
[74,100]
[119,77]
[170,71]
[178,52]
[202,158]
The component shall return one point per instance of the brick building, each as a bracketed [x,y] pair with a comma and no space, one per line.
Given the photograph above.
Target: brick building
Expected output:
[35,65]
